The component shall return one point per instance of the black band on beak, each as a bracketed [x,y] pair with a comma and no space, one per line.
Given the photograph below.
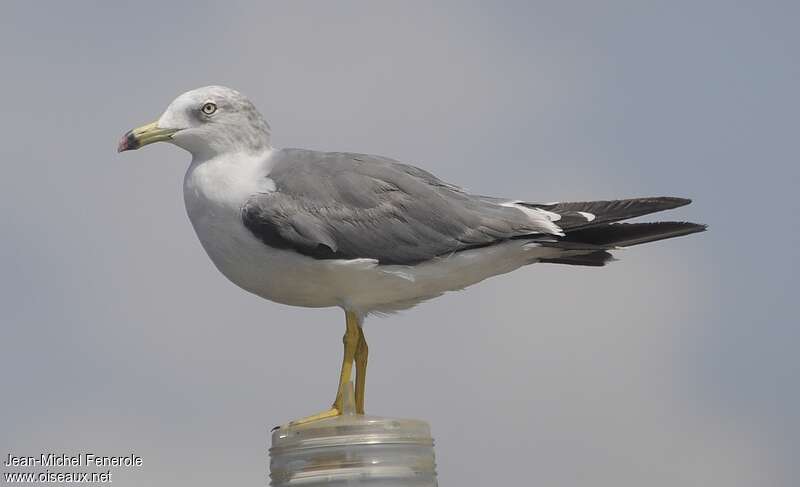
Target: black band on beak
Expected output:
[128,142]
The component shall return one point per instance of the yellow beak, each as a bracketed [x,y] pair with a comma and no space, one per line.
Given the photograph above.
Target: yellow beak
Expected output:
[144,135]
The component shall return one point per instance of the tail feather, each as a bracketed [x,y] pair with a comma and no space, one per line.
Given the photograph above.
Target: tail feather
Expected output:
[597,258]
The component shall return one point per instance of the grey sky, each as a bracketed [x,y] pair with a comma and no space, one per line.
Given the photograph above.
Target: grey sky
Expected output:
[675,366]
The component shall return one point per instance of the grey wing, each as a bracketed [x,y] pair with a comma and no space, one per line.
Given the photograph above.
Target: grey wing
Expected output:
[348,206]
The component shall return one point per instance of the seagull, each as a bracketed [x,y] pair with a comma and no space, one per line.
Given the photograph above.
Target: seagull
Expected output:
[365,233]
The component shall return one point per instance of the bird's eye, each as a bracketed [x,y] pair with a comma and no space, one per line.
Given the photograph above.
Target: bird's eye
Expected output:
[209,108]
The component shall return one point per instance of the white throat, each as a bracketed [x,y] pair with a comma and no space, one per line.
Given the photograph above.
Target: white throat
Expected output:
[224,182]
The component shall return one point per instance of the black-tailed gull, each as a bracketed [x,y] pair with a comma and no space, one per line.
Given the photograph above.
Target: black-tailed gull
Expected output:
[363,232]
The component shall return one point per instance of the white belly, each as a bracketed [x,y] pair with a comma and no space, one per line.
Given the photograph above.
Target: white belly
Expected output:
[214,195]
[362,284]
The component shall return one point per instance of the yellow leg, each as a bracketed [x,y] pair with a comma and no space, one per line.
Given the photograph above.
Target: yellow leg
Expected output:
[350,340]
[362,352]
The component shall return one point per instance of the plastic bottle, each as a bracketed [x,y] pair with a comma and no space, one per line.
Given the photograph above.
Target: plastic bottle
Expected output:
[353,450]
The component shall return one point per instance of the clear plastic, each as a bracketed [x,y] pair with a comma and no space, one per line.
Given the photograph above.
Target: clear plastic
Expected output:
[353,450]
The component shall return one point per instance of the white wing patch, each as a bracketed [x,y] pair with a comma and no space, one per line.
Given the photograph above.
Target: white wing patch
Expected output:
[538,215]
[589,216]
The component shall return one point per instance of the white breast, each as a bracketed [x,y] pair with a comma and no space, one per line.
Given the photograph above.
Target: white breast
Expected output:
[214,191]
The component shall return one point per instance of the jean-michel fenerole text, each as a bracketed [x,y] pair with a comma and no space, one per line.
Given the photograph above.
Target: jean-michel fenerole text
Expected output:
[73,460]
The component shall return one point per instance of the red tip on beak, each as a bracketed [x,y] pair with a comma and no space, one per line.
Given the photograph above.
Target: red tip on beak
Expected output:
[127,142]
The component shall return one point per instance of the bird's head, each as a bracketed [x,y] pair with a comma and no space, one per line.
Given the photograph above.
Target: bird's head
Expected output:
[206,122]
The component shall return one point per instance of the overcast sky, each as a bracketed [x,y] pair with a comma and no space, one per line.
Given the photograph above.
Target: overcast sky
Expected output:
[675,366]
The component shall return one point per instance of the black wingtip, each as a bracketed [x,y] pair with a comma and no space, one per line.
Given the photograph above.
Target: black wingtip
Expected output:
[697,227]
[690,227]
[685,228]
[628,234]
[670,202]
